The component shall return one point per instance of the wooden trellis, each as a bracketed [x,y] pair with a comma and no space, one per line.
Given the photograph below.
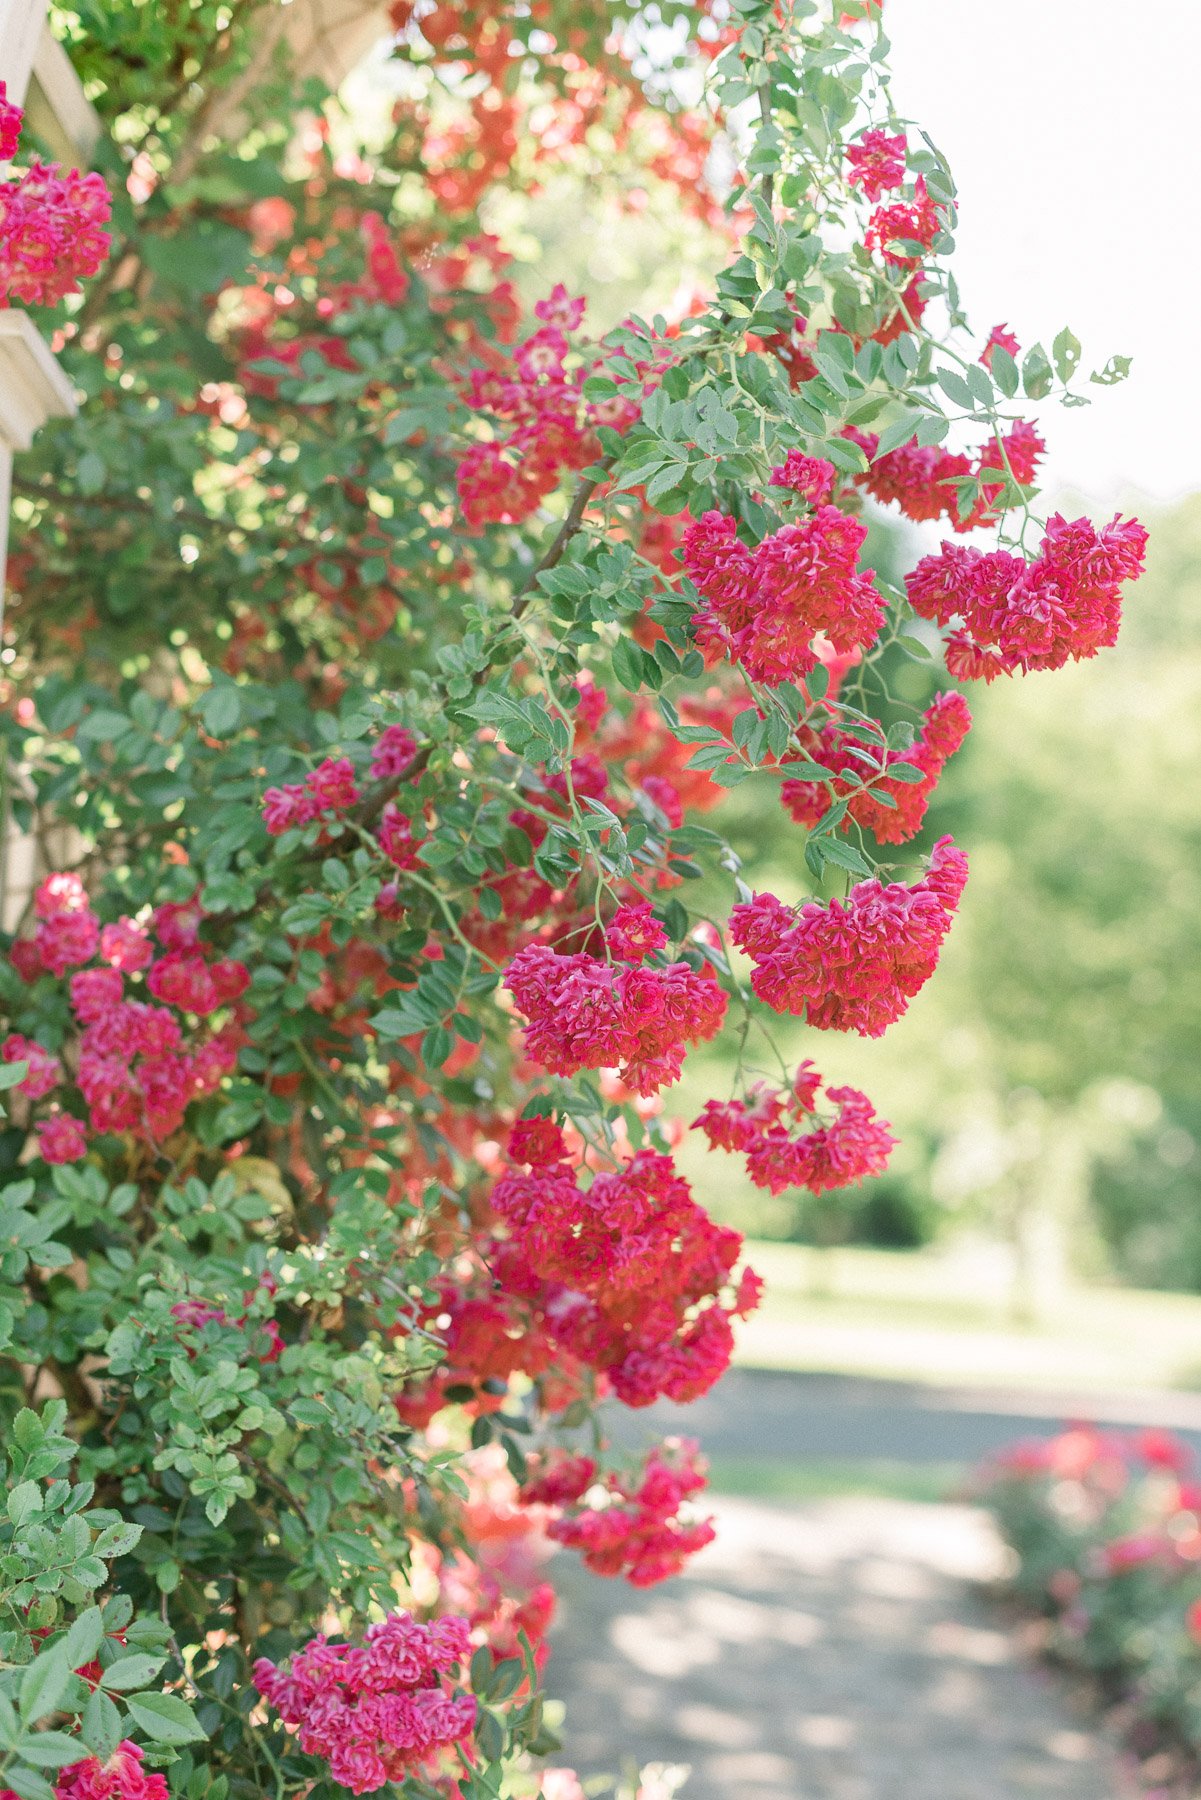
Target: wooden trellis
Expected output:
[38,76]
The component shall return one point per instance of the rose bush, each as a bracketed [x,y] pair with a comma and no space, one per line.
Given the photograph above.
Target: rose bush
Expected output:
[376,649]
[1105,1529]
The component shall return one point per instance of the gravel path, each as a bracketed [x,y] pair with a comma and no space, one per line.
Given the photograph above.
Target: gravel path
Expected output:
[830,1651]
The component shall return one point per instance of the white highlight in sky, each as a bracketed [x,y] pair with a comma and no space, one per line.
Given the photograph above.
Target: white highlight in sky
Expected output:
[1073,131]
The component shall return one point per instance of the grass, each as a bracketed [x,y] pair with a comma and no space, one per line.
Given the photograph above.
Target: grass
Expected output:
[946,1318]
[764,1478]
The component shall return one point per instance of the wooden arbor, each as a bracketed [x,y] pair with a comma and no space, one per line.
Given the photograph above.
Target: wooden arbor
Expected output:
[38,75]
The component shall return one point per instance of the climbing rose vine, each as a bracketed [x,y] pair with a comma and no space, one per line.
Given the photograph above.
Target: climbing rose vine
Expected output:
[383,640]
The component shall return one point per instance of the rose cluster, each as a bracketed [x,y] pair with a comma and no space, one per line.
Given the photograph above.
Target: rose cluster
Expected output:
[585,1013]
[1106,1555]
[329,788]
[853,964]
[627,1272]
[138,1065]
[765,604]
[51,231]
[636,1527]
[854,1144]
[119,1777]
[1010,616]
[538,395]
[924,480]
[379,1710]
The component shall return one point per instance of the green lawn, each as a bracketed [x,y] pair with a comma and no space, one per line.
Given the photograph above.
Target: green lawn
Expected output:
[946,1318]
[823,1479]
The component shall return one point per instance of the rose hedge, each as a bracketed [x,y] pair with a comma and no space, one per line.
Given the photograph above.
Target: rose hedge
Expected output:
[1105,1530]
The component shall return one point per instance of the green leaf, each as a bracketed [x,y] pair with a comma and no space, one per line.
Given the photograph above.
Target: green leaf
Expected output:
[131,1671]
[221,709]
[84,1638]
[1005,371]
[629,664]
[1116,369]
[506,1679]
[665,482]
[44,1684]
[49,1749]
[489,1735]
[956,389]
[100,1726]
[104,725]
[837,850]
[165,1718]
[845,455]
[24,1501]
[1066,352]
[28,1783]
[898,433]
[117,1539]
[436,1046]
[1036,373]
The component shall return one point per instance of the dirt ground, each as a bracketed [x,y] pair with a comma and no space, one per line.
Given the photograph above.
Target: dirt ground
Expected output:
[836,1650]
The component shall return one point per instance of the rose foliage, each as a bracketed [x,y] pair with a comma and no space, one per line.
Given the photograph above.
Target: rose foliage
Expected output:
[380,653]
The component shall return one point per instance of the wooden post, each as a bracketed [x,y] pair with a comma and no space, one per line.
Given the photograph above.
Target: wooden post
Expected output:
[21,25]
[32,389]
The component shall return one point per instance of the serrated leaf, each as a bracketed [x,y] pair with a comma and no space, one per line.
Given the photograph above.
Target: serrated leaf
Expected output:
[100,1725]
[628,664]
[165,1718]
[898,433]
[44,1685]
[1004,371]
[49,1749]
[956,388]
[665,482]
[24,1501]
[837,850]
[28,1783]
[84,1638]
[131,1671]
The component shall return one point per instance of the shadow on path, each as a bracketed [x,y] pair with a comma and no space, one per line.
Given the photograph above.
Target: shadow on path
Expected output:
[832,1651]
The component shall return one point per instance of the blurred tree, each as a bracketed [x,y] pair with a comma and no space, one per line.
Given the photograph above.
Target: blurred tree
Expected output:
[1070,967]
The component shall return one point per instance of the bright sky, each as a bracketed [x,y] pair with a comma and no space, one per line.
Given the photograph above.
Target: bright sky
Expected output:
[1072,128]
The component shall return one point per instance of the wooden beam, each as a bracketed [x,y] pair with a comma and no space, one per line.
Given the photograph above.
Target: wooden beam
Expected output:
[21,23]
[32,386]
[57,108]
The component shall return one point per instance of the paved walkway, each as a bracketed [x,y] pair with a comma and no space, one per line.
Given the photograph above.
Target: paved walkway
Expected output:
[830,1651]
